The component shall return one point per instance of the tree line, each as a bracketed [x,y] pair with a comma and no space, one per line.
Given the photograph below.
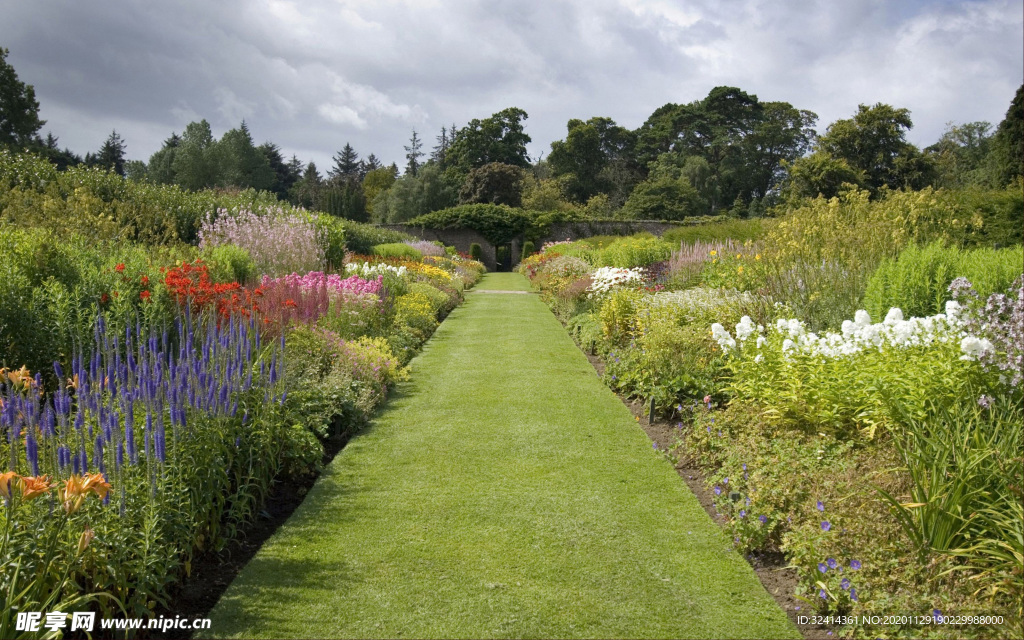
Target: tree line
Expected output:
[726,153]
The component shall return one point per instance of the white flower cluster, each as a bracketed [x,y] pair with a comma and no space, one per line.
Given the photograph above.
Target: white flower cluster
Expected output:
[607,278]
[861,334]
[366,270]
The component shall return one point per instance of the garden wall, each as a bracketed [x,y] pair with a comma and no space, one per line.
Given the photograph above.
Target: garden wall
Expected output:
[461,238]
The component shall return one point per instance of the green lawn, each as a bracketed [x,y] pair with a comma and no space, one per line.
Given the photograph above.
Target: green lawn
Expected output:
[503,492]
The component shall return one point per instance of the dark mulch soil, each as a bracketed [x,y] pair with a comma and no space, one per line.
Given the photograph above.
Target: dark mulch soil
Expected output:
[770,567]
[213,572]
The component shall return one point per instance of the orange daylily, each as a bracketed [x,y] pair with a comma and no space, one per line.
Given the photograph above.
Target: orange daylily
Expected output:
[6,479]
[77,487]
[33,487]
[97,484]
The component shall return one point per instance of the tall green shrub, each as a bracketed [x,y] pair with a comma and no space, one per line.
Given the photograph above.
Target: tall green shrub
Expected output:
[528,250]
[476,252]
[917,281]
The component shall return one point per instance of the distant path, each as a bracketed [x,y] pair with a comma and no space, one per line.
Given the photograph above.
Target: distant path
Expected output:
[503,492]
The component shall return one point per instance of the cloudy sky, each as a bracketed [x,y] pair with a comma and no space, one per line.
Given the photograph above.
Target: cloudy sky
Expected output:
[311,75]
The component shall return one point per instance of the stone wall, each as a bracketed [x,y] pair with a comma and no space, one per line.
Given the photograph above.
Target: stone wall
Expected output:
[461,238]
[586,229]
[455,237]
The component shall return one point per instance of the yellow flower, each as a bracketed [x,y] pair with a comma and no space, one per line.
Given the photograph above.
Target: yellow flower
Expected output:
[739,269]
[714,252]
[739,255]
[757,257]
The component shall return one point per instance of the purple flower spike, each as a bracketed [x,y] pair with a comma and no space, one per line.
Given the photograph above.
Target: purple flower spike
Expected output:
[826,525]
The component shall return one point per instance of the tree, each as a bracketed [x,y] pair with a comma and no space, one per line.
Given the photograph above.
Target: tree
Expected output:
[960,154]
[413,154]
[371,164]
[493,183]
[285,174]
[822,174]
[111,154]
[597,156]
[375,182]
[19,109]
[663,198]
[242,164]
[160,169]
[305,190]
[62,159]
[782,135]
[346,164]
[1006,159]
[196,163]
[874,142]
[499,138]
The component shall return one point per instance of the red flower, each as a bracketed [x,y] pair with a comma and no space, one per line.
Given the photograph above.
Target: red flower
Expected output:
[290,303]
[145,281]
[119,268]
[104,299]
[145,296]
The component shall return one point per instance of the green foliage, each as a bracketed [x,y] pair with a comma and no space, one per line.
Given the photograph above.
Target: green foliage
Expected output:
[493,183]
[735,230]
[361,238]
[499,224]
[499,138]
[821,174]
[528,249]
[664,198]
[397,250]
[19,109]
[873,143]
[230,263]
[641,250]
[918,280]
[476,252]
[1006,159]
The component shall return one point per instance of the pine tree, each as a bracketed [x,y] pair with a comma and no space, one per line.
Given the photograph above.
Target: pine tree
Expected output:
[346,164]
[413,155]
[111,154]
[371,164]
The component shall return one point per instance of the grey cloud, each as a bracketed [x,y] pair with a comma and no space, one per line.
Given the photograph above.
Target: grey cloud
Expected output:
[313,75]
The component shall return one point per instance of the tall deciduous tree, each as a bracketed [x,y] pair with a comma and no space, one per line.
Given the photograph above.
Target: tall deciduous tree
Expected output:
[242,164]
[499,138]
[493,183]
[19,109]
[874,142]
[196,162]
[1006,159]
[160,169]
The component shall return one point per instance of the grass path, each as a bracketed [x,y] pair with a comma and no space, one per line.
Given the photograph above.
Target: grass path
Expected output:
[503,492]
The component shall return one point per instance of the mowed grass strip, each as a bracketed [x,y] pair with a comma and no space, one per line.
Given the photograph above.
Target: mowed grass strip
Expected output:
[503,492]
